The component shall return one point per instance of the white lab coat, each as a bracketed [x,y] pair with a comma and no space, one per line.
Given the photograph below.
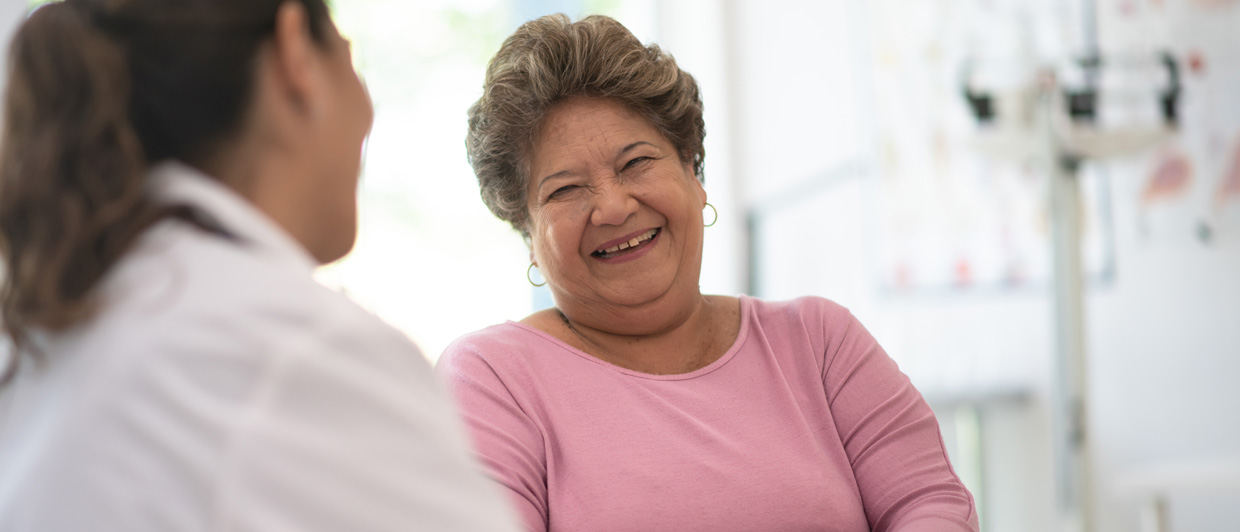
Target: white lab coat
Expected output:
[222,389]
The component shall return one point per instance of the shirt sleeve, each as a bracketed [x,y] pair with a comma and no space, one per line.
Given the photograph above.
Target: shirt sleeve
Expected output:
[891,437]
[349,430]
[508,441]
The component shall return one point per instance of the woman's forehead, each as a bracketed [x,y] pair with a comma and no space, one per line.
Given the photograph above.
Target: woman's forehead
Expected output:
[592,123]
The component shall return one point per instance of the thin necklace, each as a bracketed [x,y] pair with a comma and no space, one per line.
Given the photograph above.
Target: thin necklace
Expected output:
[585,344]
[568,324]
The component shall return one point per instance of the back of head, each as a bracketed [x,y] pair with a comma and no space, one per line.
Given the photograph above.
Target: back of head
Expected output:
[98,91]
[550,59]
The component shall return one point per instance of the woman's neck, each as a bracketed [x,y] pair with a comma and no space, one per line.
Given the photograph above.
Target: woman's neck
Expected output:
[703,335]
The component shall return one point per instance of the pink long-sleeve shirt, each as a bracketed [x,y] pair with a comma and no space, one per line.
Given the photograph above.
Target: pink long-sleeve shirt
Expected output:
[804,424]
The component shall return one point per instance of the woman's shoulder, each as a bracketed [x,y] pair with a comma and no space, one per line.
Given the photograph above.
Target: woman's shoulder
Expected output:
[195,262]
[181,283]
[508,359]
[503,344]
[808,324]
[813,311]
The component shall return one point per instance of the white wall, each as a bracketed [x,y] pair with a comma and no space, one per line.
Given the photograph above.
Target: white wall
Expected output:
[694,32]
[1165,359]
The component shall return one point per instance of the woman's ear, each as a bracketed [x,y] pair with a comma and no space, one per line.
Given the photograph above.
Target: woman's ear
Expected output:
[294,57]
[701,189]
[529,243]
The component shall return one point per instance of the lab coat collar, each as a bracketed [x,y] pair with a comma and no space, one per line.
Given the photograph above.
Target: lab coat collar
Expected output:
[176,182]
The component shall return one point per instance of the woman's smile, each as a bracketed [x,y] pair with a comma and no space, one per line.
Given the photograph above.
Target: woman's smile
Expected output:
[628,248]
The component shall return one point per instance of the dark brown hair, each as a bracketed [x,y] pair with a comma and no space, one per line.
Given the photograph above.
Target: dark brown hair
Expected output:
[98,91]
[550,59]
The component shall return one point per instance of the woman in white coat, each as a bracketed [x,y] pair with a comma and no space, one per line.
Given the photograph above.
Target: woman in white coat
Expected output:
[170,174]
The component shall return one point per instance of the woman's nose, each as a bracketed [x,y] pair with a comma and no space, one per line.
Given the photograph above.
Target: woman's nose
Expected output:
[613,204]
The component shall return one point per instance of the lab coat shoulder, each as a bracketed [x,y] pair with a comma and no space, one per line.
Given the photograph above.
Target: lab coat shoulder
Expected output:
[254,398]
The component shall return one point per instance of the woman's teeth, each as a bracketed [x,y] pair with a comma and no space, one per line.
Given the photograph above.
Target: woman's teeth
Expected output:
[631,243]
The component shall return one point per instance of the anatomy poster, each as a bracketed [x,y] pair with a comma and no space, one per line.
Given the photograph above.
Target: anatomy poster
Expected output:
[957,215]
[1190,188]
[953,215]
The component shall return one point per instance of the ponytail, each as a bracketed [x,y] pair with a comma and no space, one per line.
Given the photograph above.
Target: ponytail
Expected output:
[99,90]
[72,171]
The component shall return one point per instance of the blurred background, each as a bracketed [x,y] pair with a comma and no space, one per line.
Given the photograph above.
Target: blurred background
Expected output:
[845,161]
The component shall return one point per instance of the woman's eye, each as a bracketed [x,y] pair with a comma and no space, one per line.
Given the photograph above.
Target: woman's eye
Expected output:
[561,190]
[635,161]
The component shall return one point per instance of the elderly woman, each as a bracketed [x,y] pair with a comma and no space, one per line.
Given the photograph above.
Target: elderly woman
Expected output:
[638,403]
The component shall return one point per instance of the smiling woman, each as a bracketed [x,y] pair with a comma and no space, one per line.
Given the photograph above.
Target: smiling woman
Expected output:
[637,402]
[616,224]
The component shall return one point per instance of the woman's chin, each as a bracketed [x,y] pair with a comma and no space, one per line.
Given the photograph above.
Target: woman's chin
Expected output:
[636,303]
[331,250]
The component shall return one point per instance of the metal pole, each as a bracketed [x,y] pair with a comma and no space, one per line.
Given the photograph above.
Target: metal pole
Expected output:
[1069,414]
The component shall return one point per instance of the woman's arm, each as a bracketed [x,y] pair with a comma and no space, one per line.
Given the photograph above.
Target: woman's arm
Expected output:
[507,441]
[891,437]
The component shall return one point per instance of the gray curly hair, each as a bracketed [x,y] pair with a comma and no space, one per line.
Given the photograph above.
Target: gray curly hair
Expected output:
[550,59]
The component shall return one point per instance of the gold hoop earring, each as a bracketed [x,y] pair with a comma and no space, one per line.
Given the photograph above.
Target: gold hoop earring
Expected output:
[530,270]
[716,211]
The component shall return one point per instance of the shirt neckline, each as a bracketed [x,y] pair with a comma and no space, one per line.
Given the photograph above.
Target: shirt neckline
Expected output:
[742,335]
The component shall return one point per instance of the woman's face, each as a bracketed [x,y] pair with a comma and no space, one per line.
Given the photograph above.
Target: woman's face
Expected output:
[615,215]
[347,118]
